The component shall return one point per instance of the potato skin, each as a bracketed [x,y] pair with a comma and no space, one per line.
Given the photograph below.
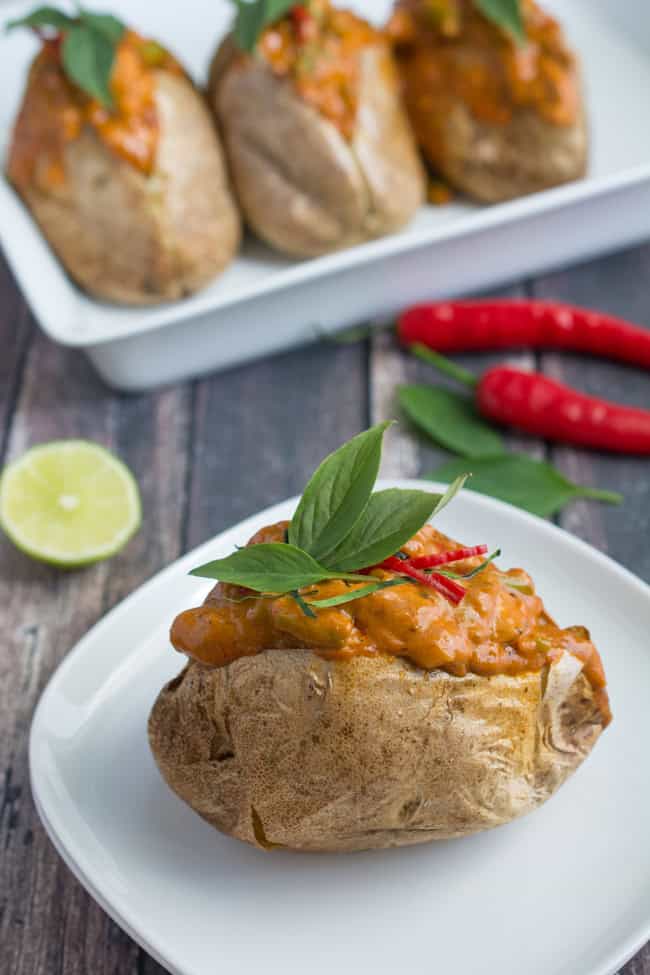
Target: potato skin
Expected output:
[136,239]
[289,749]
[493,163]
[303,188]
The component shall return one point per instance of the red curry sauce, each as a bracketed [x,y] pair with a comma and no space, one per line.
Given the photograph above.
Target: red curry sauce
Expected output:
[447,48]
[500,627]
[55,111]
[317,46]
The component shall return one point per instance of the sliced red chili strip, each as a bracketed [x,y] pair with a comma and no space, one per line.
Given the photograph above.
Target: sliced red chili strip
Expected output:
[442,558]
[453,591]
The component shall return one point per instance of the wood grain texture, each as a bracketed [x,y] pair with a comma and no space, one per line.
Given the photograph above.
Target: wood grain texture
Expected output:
[259,431]
[207,454]
[617,284]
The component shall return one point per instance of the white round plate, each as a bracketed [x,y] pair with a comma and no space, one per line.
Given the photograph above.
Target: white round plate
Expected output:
[565,891]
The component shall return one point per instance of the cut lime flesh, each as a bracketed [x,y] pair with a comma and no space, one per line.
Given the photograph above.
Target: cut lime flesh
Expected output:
[69,503]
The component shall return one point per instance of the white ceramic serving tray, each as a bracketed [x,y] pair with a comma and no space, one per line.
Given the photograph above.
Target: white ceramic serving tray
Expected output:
[563,891]
[265,302]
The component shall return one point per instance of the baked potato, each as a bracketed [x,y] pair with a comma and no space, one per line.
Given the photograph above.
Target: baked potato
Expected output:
[133,199]
[319,146]
[386,721]
[496,119]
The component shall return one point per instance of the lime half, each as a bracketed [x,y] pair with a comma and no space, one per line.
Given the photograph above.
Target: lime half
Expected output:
[69,502]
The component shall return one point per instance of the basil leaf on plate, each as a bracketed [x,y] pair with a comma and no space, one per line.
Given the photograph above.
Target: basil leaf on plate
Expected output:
[389,520]
[506,14]
[451,420]
[337,494]
[88,57]
[530,484]
[253,16]
[42,17]
[270,567]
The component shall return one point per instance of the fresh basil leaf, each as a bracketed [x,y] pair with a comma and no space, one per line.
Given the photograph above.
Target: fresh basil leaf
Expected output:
[88,57]
[451,420]
[506,14]
[348,597]
[269,567]
[391,517]
[105,24]
[42,17]
[454,488]
[305,607]
[337,494]
[253,16]
[526,483]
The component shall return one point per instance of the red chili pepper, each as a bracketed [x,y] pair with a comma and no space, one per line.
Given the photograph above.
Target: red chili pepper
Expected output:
[442,558]
[466,326]
[303,22]
[447,587]
[549,409]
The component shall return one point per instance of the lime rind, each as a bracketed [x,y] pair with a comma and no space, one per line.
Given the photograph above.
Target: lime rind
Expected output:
[69,503]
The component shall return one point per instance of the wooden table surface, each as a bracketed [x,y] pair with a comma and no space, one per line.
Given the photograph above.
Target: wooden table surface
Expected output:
[206,454]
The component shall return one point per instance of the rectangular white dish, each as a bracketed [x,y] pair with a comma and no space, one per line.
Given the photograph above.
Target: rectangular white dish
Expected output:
[265,302]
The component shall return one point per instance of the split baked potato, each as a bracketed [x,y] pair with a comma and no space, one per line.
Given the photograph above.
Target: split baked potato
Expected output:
[320,149]
[390,720]
[496,118]
[133,198]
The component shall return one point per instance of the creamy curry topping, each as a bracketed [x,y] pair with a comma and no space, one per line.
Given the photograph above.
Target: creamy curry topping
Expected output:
[317,46]
[55,111]
[500,627]
[447,48]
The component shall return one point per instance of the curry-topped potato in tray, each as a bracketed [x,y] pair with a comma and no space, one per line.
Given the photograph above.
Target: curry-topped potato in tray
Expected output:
[498,114]
[319,145]
[117,157]
[358,680]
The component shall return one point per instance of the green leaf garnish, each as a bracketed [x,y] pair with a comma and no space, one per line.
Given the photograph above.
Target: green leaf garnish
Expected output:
[390,518]
[106,24]
[451,420]
[270,567]
[507,15]
[42,17]
[337,494]
[457,485]
[305,607]
[530,484]
[89,46]
[348,597]
[450,574]
[88,57]
[252,16]
[339,526]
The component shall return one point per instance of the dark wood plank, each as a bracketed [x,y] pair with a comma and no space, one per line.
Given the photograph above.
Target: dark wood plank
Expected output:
[260,431]
[48,923]
[616,284]
[16,329]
